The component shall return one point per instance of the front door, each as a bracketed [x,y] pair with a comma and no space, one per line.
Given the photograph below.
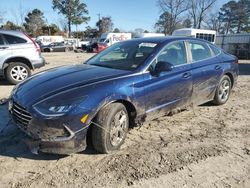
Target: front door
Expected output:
[172,88]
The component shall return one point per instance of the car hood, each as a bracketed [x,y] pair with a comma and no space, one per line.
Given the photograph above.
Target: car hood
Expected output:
[53,81]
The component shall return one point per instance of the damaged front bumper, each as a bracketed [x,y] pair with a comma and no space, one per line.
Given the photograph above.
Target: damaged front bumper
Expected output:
[74,143]
[64,135]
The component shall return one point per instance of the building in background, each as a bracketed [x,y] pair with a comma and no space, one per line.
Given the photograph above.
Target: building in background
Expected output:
[236,44]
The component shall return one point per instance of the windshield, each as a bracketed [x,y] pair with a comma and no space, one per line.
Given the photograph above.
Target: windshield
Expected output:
[102,40]
[124,55]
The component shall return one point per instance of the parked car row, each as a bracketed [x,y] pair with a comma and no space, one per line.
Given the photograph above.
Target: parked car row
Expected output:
[56,47]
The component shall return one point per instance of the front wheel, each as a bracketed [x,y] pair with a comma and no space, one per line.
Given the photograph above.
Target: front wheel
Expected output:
[223,91]
[110,128]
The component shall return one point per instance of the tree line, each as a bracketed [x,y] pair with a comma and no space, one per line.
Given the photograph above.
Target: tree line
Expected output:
[232,17]
[75,13]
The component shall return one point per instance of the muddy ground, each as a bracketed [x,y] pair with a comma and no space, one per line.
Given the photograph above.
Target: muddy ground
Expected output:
[205,146]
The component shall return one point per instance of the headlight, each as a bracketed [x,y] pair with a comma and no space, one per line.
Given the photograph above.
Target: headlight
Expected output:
[58,105]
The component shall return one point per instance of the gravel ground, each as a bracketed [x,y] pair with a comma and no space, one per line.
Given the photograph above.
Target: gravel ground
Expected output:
[205,146]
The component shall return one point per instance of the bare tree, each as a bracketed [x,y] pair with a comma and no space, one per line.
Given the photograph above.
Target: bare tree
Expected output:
[175,9]
[105,25]
[63,23]
[1,17]
[198,10]
[212,21]
[19,15]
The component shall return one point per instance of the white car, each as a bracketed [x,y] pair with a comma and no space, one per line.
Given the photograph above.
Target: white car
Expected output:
[19,54]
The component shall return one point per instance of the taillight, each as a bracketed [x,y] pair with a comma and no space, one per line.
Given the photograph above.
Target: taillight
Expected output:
[237,60]
[34,42]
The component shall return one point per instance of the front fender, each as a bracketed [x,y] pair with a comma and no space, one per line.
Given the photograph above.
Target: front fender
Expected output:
[108,100]
[126,89]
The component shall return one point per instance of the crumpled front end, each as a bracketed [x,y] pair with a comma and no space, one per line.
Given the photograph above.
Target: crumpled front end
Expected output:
[55,135]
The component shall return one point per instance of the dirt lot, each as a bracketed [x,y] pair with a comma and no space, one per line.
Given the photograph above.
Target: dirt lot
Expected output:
[207,146]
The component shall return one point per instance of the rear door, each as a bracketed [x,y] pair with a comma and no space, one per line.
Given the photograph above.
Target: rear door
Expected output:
[169,89]
[18,46]
[206,71]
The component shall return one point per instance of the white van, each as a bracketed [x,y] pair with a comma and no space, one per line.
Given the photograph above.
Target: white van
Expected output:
[76,43]
[143,35]
[208,35]
[111,38]
[46,40]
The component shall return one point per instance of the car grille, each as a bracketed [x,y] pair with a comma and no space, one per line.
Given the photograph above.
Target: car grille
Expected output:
[21,115]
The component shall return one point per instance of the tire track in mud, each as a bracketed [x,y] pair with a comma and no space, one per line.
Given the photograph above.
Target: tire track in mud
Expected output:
[160,147]
[143,157]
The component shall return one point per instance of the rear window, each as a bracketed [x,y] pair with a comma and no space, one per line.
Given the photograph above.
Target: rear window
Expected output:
[199,51]
[215,50]
[14,40]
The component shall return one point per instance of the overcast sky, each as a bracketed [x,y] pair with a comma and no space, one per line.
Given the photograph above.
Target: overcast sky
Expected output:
[126,15]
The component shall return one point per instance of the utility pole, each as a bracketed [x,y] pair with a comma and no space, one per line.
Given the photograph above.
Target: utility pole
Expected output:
[99,16]
[99,23]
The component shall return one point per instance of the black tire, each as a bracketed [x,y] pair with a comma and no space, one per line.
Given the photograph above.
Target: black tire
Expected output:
[222,94]
[46,50]
[18,77]
[103,129]
[66,49]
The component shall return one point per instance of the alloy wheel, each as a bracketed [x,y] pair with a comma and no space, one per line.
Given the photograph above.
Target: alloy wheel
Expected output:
[118,128]
[19,73]
[224,90]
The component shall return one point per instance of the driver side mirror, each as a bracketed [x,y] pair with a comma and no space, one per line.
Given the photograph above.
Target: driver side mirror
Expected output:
[163,66]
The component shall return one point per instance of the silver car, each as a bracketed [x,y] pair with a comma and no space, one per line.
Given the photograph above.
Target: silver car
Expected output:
[19,54]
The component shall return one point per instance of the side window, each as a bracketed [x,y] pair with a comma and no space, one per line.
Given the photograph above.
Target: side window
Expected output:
[215,50]
[174,53]
[1,40]
[14,40]
[199,51]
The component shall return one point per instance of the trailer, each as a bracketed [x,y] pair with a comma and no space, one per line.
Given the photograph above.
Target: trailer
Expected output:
[111,38]
[143,35]
[46,40]
[204,34]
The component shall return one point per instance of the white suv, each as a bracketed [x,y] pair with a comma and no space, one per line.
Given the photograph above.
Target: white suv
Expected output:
[19,54]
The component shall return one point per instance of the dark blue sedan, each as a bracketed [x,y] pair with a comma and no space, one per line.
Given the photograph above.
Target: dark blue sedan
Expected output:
[128,83]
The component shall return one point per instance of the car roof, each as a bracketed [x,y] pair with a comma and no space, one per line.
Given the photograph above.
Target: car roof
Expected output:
[13,32]
[164,39]
[10,31]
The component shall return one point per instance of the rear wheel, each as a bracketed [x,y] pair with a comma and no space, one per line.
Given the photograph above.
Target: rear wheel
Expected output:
[46,50]
[223,91]
[110,128]
[17,72]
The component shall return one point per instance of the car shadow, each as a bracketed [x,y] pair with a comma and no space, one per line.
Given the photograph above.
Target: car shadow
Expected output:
[4,82]
[12,141]
[244,68]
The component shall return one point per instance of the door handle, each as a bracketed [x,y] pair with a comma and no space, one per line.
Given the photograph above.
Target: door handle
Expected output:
[186,75]
[217,67]
[5,47]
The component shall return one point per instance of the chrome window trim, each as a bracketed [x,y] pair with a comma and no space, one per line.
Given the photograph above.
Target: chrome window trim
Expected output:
[220,51]
[187,62]
[207,46]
